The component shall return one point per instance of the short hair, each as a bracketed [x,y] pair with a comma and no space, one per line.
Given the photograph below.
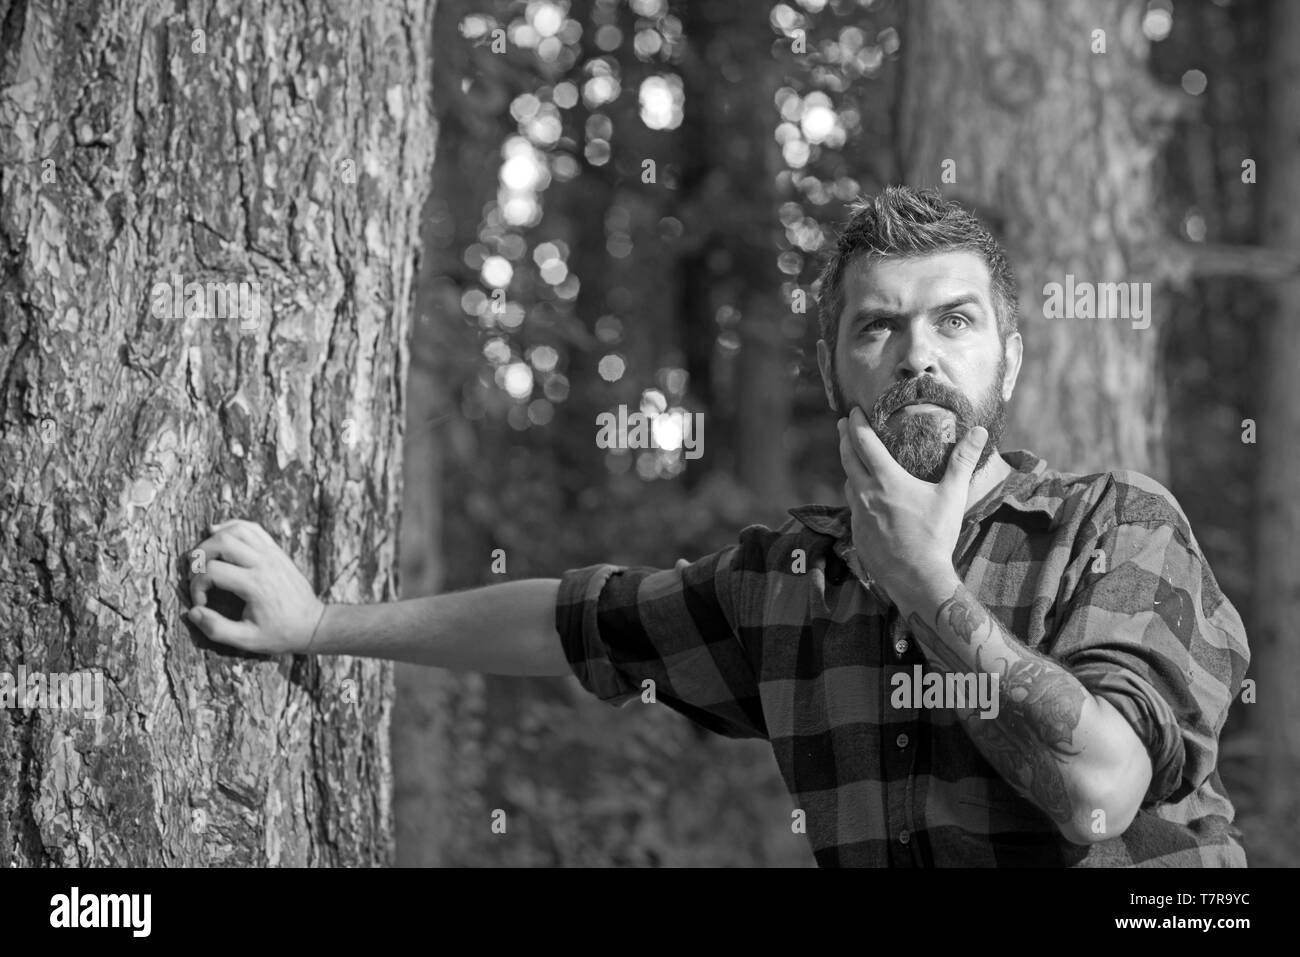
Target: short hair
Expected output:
[904,222]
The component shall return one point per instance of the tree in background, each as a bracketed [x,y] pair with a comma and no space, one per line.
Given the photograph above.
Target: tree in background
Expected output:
[281,163]
[1046,120]
[1227,468]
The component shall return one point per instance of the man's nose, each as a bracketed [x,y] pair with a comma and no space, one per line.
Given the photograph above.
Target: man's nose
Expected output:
[919,355]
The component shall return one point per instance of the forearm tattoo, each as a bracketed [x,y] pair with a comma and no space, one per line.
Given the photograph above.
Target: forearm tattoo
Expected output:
[964,617]
[1041,703]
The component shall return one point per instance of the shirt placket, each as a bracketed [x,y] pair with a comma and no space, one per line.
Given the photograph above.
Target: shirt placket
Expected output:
[900,729]
[906,802]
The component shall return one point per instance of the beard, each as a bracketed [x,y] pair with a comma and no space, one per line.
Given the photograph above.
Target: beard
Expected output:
[923,443]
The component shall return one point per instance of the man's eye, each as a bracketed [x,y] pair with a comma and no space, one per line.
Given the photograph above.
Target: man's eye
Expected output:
[876,325]
[957,320]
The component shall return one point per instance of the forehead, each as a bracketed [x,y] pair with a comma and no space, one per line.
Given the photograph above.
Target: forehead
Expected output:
[915,283]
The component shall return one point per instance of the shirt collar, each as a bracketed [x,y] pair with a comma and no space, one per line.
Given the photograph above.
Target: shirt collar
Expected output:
[1026,490]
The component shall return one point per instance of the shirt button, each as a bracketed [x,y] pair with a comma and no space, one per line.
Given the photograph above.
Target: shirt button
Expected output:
[904,837]
[900,646]
[901,740]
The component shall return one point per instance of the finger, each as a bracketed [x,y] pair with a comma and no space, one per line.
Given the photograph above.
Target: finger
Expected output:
[219,574]
[240,530]
[240,634]
[261,534]
[965,455]
[200,585]
[250,532]
[868,446]
[227,547]
[855,472]
[232,578]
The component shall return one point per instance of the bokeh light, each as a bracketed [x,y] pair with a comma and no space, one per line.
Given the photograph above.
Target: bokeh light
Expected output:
[1194,82]
[611,367]
[517,379]
[496,272]
[662,101]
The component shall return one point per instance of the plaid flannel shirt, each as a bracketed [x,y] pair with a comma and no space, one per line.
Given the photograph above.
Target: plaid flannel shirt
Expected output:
[775,637]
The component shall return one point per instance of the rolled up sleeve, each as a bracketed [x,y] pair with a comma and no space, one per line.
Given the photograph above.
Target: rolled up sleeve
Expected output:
[1148,630]
[623,628]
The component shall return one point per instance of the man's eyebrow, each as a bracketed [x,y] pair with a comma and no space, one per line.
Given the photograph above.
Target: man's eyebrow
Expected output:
[967,299]
[872,313]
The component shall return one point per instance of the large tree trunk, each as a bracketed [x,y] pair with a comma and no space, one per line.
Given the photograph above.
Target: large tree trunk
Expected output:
[286,146]
[1277,415]
[1057,143]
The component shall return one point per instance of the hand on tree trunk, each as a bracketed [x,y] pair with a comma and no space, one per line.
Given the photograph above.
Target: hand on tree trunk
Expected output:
[281,610]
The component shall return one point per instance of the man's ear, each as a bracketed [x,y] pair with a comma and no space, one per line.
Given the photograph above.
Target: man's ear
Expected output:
[828,377]
[1014,350]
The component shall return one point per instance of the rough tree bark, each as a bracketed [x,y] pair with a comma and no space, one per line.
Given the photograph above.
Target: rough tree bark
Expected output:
[1057,144]
[281,146]
[1277,560]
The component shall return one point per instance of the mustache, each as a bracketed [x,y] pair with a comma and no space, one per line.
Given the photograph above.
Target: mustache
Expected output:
[921,389]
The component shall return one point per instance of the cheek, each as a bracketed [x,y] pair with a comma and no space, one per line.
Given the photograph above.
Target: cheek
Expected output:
[975,377]
[861,386]
[861,369]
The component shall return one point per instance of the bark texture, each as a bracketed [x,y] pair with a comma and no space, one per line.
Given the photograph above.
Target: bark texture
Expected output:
[287,147]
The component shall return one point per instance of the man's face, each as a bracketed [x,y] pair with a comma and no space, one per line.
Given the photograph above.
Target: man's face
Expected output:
[918,351]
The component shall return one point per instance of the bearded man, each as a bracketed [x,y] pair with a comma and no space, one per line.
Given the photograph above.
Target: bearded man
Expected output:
[974,660]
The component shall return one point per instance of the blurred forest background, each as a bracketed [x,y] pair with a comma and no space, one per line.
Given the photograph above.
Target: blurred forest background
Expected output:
[631,201]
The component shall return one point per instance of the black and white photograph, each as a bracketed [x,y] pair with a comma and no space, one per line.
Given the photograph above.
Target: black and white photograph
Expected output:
[522,435]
